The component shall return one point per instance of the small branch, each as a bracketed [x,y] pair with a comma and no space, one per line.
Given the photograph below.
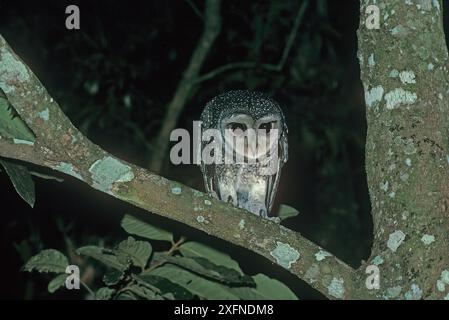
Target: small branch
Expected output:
[195,9]
[60,146]
[266,66]
[45,176]
[212,25]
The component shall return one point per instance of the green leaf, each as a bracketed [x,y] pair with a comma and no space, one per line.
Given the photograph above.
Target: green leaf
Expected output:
[196,249]
[56,283]
[142,229]
[196,284]
[12,126]
[104,256]
[143,292]
[137,251]
[164,286]
[112,277]
[126,296]
[21,180]
[104,293]
[207,269]
[286,212]
[49,260]
[267,289]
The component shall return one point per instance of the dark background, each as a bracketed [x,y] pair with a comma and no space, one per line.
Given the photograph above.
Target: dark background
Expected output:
[136,51]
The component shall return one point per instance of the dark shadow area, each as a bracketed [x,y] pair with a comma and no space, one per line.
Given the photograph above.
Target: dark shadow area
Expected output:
[114,78]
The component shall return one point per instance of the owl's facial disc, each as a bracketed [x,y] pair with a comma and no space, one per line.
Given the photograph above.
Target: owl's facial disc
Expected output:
[251,139]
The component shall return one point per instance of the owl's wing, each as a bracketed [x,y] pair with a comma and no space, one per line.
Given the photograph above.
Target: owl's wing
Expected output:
[273,180]
[210,183]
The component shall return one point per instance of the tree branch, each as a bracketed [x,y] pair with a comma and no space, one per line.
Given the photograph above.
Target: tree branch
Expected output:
[266,66]
[212,25]
[60,146]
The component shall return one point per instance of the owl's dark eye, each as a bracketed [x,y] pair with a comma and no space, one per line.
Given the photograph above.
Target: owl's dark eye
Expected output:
[235,126]
[267,126]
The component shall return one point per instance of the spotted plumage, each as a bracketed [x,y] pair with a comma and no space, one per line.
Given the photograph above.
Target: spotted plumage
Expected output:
[246,185]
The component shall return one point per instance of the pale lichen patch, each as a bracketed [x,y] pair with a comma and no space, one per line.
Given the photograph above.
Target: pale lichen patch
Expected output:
[44,115]
[200,219]
[399,31]
[377,260]
[176,190]
[415,293]
[373,96]
[395,240]
[68,168]
[371,62]
[384,186]
[399,97]
[312,273]
[336,288]
[321,255]
[394,73]
[392,293]
[242,224]
[407,77]
[207,202]
[285,255]
[443,281]
[427,239]
[107,171]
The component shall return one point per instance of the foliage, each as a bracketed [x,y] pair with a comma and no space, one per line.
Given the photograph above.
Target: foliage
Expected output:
[12,127]
[188,270]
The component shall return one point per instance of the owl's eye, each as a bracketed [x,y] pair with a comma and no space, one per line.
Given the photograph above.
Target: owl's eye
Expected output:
[237,126]
[267,126]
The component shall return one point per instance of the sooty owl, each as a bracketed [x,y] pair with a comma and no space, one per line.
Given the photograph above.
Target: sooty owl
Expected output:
[248,126]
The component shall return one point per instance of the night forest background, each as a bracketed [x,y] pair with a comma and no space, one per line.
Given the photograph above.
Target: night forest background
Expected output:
[114,78]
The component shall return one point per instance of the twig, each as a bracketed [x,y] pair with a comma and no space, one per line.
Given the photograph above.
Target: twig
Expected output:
[46,176]
[266,66]
[195,8]
[212,26]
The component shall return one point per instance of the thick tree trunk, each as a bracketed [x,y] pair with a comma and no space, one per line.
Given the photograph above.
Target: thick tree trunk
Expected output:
[403,69]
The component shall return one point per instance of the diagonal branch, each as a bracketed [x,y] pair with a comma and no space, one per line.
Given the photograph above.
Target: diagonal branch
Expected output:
[266,66]
[212,25]
[60,146]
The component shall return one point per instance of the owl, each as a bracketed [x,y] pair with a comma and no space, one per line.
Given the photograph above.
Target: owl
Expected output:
[249,126]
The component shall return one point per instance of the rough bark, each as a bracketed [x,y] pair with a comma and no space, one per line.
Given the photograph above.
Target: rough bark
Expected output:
[403,70]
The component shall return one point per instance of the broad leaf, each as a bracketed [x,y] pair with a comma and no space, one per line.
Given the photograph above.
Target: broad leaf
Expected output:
[196,284]
[164,286]
[137,251]
[104,293]
[112,277]
[21,180]
[196,249]
[144,292]
[57,282]
[207,269]
[49,260]
[102,255]
[286,212]
[267,289]
[142,229]
[12,126]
